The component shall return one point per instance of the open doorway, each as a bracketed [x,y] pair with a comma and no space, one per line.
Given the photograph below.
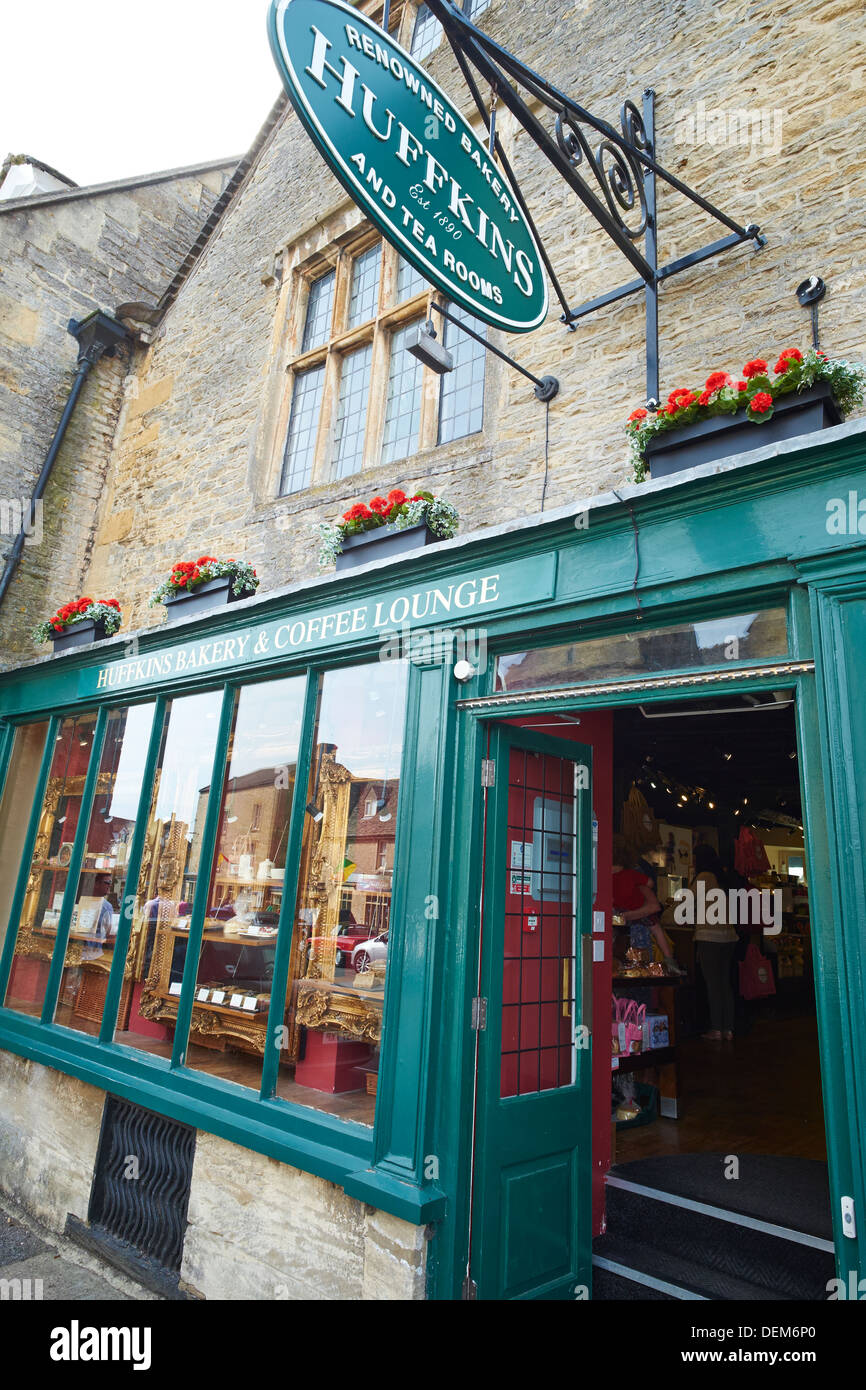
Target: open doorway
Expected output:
[721,785]
[718,1185]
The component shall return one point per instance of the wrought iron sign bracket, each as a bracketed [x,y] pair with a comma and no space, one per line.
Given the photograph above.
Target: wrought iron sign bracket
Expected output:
[616,181]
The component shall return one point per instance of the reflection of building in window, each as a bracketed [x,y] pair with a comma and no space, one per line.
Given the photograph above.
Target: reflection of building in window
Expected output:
[743,637]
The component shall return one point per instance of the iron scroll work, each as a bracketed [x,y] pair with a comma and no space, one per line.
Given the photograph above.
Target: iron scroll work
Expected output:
[612,172]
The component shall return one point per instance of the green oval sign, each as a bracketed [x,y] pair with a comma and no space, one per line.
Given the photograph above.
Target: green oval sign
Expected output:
[409,159]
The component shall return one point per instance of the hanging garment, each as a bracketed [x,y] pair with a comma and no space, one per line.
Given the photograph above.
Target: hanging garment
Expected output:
[750,857]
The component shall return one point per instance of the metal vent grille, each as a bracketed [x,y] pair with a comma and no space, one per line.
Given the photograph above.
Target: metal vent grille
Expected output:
[141,1181]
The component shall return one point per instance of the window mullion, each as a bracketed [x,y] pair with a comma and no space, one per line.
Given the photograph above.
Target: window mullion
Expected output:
[377,399]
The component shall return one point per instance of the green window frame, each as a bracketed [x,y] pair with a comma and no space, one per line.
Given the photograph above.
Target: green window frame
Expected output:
[314,1140]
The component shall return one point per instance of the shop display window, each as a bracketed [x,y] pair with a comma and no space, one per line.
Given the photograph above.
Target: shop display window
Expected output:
[338,966]
[229,1022]
[718,642]
[19,789]
[168,874]
[96,912]
[334,833]
[49,865]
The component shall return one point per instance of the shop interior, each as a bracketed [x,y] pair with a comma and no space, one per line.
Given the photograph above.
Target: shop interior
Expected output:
[695,783]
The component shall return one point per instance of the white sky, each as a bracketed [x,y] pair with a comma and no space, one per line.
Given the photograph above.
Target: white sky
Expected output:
[102,89]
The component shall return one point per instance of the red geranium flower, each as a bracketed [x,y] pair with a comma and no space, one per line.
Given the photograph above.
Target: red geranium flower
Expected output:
[742,386]
[396,497]
[379,505]
[206,560]
[359,512]
[639,414]
[714,382]
[680,399]
[757,367]
[786,358]
[761,401]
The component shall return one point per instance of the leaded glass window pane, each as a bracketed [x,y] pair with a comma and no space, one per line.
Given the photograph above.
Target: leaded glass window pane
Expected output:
[461,402]
[409,280]
[426,34]
[403,408]
[303,424]
[352,412]
[317,325]
[364,297]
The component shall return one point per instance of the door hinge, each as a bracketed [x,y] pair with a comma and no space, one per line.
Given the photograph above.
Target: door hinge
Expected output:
[479,1013]
[488,772]
[470,1288]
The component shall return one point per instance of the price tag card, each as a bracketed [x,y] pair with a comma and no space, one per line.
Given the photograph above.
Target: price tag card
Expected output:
[236,1001]
[202,995]
[250,1003]
[175,989]
[218,996]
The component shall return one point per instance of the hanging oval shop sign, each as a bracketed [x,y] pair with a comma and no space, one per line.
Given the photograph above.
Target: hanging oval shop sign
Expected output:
[409,159]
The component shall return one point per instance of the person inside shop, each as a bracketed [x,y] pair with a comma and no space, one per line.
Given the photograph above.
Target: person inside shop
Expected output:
[102,921]
[634,899]
[715,945]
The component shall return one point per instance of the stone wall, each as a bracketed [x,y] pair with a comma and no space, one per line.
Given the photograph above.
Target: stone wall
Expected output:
[257,1229]
[194,464]
[61,256]
[261,1230]
[49,1134]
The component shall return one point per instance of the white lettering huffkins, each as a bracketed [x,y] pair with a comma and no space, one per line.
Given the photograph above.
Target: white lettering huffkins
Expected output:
[356,97]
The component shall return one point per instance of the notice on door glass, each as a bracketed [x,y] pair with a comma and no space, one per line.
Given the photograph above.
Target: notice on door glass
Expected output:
[521,854]
[519,883]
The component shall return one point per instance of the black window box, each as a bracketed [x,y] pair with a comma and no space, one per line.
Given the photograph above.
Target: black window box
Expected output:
[381,542]
[214,593]
[802,412]
[79,634]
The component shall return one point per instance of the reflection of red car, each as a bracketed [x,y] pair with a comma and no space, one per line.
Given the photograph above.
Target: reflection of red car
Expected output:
[346,940]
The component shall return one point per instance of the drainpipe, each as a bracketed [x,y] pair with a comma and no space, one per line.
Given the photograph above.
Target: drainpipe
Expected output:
[97,336]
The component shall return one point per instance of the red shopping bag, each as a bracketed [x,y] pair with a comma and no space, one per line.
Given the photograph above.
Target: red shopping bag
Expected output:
[756,974]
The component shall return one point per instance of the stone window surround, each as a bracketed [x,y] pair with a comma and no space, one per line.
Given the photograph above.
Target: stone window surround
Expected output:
[333,245]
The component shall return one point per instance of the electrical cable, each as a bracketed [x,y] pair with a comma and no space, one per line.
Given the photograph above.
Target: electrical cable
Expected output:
[546,451]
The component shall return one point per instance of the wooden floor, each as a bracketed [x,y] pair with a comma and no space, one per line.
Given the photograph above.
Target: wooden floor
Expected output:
[759,1094]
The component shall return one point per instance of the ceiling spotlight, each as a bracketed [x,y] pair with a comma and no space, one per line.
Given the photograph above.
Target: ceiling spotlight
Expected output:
[727,757]
[712,805]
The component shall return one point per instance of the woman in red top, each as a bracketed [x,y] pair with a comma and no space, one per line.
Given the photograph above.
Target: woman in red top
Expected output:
[634,899]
